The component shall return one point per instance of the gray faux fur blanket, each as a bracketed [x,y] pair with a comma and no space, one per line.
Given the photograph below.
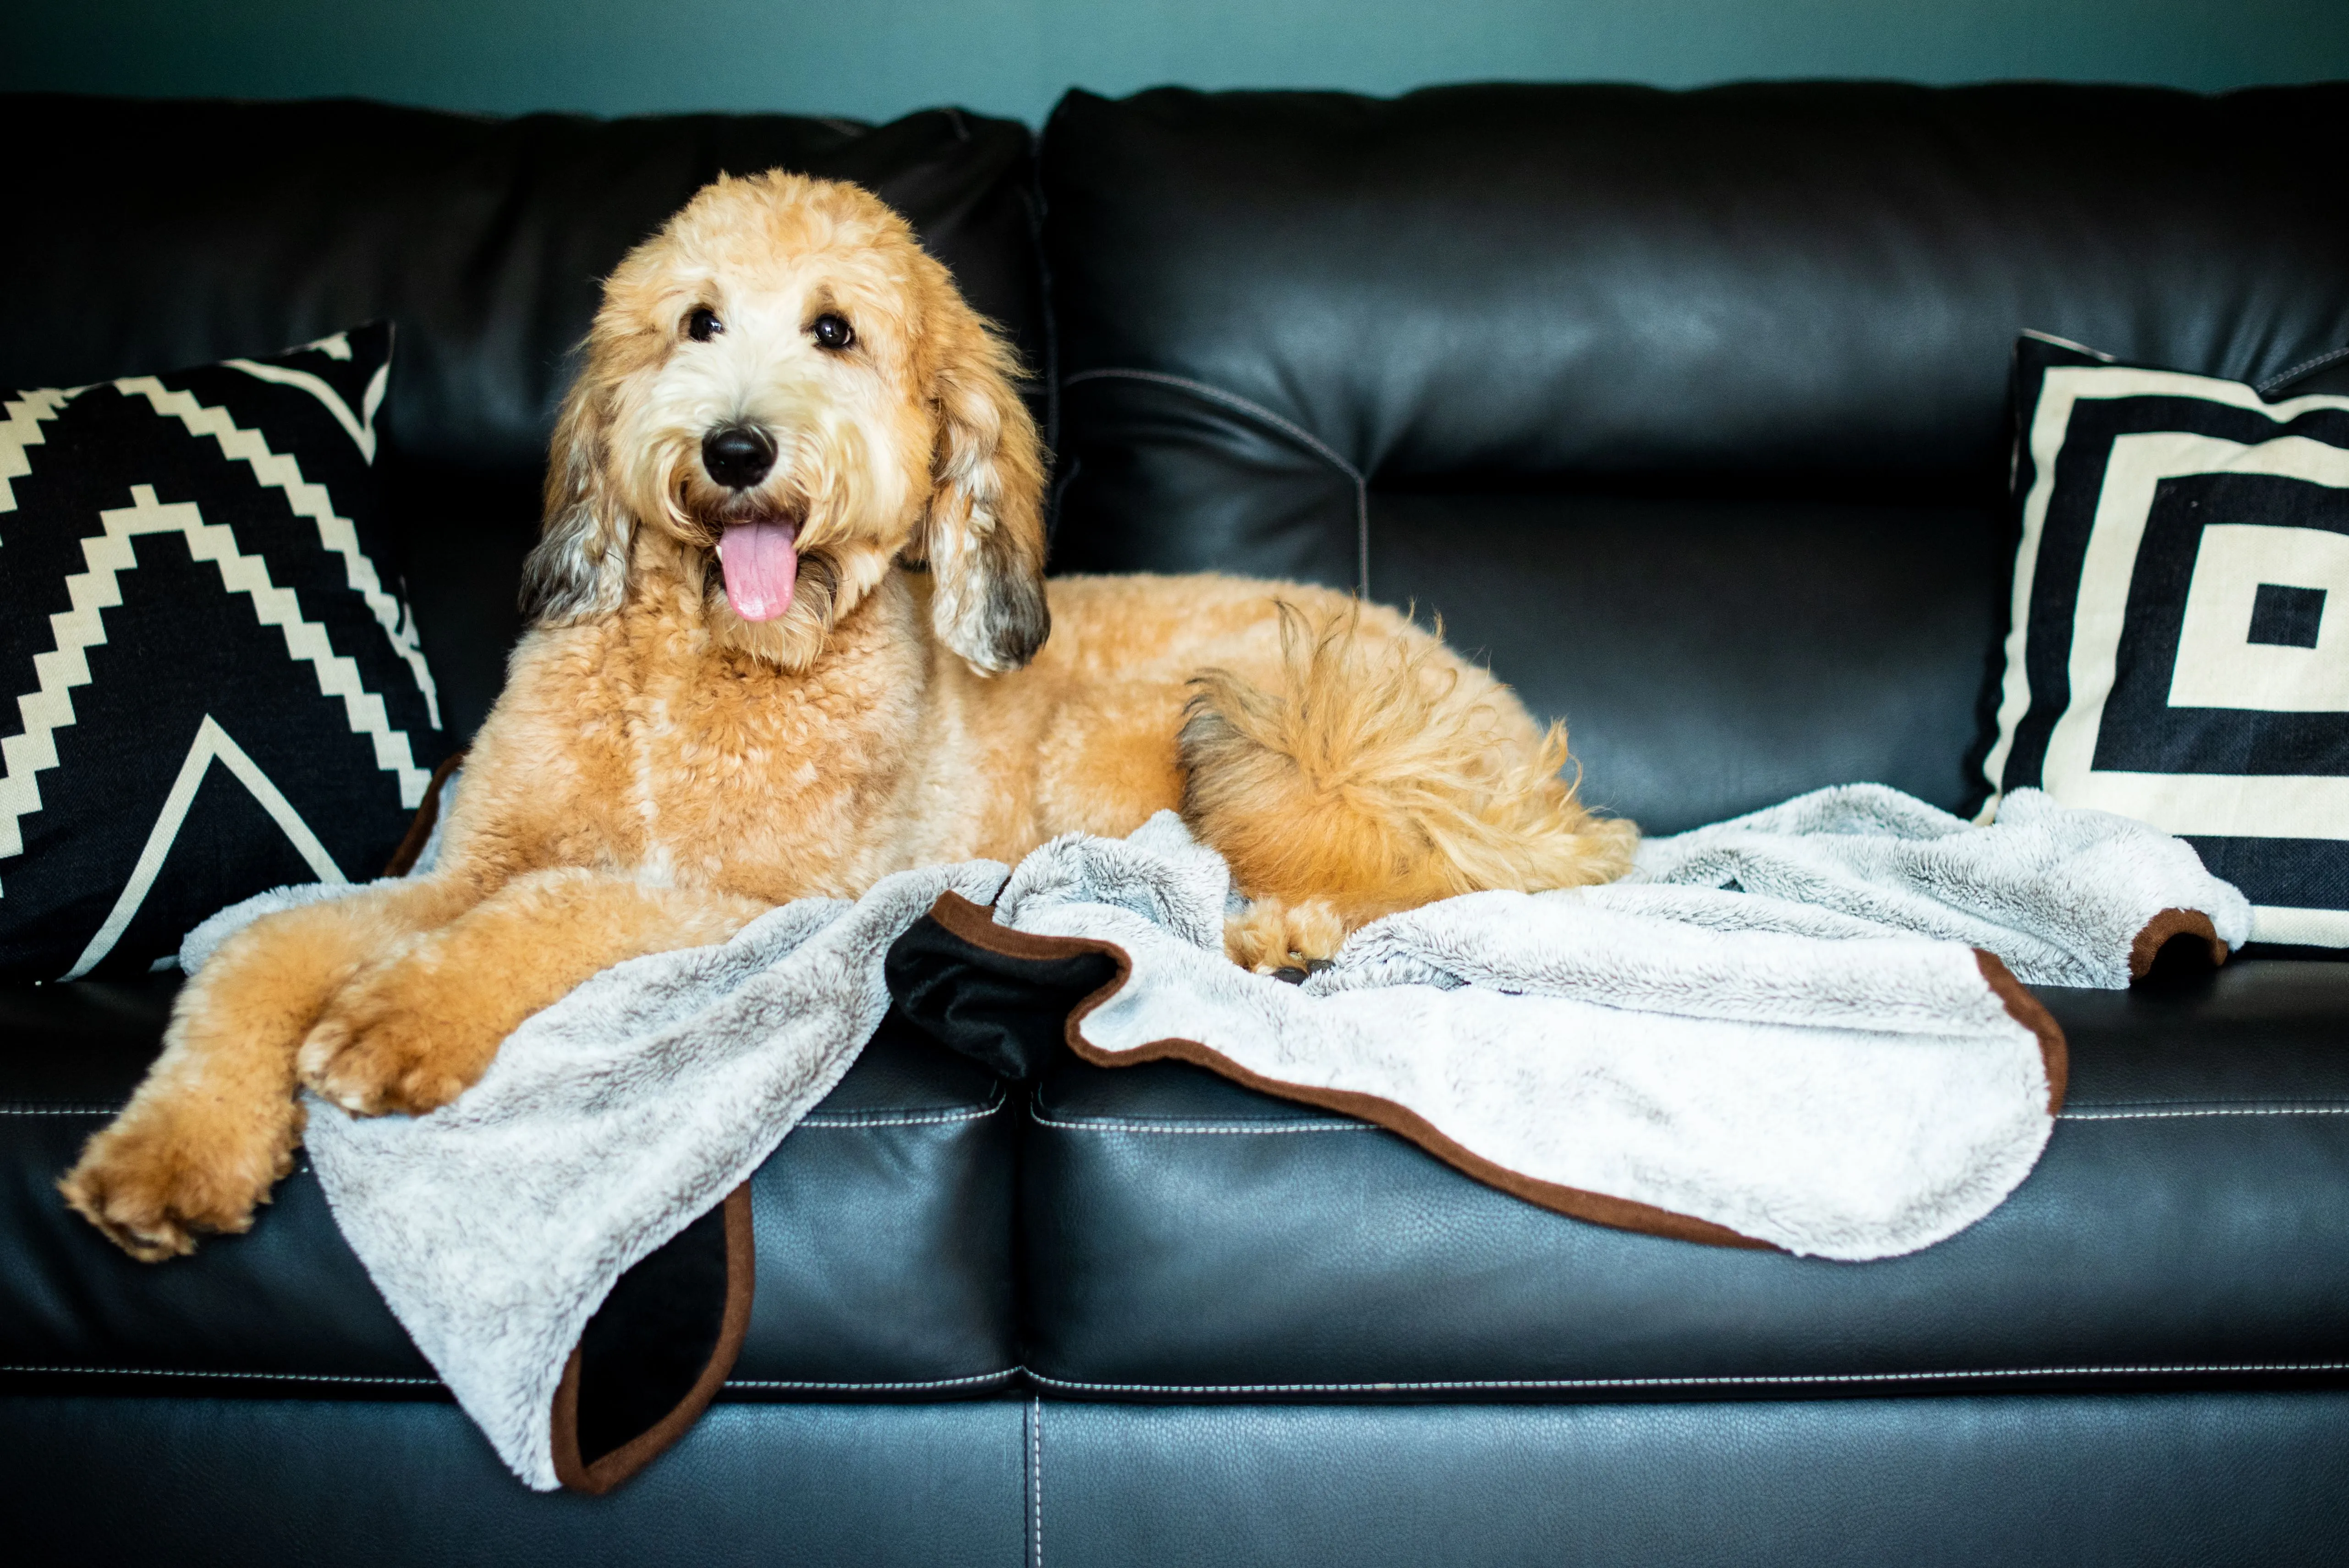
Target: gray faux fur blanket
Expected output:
[1800,1028]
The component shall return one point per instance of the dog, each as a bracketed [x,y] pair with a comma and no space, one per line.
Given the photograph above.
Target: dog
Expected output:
[787,634]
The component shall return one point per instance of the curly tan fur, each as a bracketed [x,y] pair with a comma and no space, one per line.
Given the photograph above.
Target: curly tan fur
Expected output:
[1378,772]
[659,769]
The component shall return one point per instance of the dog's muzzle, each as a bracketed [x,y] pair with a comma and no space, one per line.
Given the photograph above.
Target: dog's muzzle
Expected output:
[759,556]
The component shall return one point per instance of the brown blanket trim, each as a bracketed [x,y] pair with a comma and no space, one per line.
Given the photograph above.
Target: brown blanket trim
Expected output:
[2169,923]
[975,925]
[420,831]
[2027,1010]
[640,1450]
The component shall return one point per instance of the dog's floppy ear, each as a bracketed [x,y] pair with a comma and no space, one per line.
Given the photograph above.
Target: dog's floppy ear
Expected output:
[984,533]
[579,568]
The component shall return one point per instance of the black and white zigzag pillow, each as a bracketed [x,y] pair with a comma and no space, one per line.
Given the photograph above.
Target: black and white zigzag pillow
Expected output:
[207,685]
[2179,646]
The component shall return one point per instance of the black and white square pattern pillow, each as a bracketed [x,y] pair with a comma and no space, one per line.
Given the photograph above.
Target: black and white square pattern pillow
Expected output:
[207,685]
[2179,646]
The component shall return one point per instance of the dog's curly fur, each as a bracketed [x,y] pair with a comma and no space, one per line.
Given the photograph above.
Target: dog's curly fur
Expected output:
[659,769]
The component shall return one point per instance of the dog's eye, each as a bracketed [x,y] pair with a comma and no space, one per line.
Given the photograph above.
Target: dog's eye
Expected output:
[833,331]
[703,324]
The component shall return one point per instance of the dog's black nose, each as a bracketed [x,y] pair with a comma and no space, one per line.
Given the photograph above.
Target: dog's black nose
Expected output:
[738,456]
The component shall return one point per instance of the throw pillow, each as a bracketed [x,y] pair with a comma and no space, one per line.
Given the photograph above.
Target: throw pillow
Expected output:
[208,688]
[2178,650]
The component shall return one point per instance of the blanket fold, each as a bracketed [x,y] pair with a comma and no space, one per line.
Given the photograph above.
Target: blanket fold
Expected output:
[606,1125]
[656,1350]
[1808,1029]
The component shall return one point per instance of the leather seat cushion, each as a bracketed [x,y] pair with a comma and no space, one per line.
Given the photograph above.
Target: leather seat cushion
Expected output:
[1187,1238]
[883,1230]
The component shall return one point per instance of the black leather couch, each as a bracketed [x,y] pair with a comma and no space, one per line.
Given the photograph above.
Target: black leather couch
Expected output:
[1689,409]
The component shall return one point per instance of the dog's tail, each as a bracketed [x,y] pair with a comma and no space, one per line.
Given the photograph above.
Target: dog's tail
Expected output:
[1368,777]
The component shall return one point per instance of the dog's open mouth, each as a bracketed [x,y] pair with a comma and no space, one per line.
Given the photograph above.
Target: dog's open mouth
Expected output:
[760,563]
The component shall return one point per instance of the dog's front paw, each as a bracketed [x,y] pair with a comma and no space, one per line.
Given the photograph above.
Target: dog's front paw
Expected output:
[163,1175]
[1285,940]
[371,1055]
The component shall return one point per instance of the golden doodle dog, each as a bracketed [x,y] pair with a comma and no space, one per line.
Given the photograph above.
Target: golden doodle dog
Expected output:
[741,687]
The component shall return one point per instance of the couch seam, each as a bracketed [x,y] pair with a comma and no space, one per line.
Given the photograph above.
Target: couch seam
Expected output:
[2211,1099]
[1789,1380]
[1005,1375]
[1287,426]
[1753,1380]
[239,1376]
[923,1119]
[1036,1483]
[59,1109]
[2306,367]
[1172,1130]
[2177,1115]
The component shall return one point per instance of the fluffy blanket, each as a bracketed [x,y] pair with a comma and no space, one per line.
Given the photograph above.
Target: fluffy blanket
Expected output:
[1802,1029]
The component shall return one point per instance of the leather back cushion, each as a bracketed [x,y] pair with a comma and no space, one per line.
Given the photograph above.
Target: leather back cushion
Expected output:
[1689,409]
[155,234]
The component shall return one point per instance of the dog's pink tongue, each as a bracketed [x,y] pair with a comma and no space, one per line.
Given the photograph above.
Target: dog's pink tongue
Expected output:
[761,565]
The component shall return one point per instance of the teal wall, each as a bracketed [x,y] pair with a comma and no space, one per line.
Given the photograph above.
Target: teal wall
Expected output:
[877,58]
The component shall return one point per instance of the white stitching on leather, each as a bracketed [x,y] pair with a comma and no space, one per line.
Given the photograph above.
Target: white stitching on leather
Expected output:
[972,1381]
[59,1110]
[1036,1407]
[1036,1483]
[2172,1115]
[1176,1128]
[2189,1100]
[238,1377]
[849,1118]
[1005,1375]
[869,1119]
[1791,1379]
[1288,428]
[170,1372]
[2284,378]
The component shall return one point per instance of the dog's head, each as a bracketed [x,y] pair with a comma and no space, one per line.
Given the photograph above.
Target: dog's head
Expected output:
[784,395]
